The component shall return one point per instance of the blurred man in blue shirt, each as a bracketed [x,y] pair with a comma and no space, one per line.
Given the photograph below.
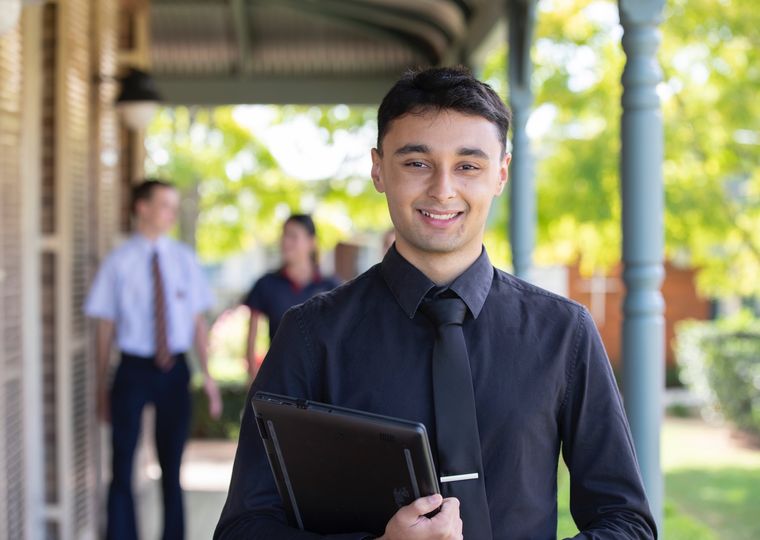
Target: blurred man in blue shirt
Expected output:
[149,296]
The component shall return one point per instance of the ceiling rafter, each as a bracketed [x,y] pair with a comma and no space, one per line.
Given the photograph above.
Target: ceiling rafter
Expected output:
[239,14]
[426,39]
[334,50]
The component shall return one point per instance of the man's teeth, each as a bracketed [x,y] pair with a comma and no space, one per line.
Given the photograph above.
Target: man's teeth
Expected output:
[439,216]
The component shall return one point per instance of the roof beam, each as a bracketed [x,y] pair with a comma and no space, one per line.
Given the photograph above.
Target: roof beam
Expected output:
[484,19]
[275,90]
[239,13]
[427,38]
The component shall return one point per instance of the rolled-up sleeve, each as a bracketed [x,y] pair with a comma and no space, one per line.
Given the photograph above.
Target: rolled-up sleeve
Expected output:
[255,299]
[102,299]
[607,498]
[253,510]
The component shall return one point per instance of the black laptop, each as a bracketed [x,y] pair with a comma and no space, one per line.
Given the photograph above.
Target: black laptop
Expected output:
[340,470]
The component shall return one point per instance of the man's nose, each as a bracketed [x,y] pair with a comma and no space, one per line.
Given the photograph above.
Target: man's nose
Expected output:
[442,186]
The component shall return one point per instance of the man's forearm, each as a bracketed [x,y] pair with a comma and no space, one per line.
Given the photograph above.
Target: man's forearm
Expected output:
[625,526]
[104,341]
[250,350]
[201,342]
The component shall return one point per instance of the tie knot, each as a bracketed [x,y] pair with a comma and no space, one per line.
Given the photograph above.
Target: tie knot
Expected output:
[444,311]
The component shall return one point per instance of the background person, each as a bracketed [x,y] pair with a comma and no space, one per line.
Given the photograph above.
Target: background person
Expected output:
[149,296]
[297,280]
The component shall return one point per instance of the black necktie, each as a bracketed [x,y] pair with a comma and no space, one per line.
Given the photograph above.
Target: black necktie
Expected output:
[460,463]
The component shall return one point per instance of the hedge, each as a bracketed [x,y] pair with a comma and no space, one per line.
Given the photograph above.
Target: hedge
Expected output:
[720,361]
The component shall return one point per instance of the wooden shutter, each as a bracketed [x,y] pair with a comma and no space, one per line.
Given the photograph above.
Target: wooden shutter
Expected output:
[12,465]
[49,268]
[105,182]
[67,226]
[78,180]
[75,363]
[106,185]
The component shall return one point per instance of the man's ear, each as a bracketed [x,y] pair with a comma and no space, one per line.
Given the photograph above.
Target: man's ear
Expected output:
[139,208]
[377,175]
[503,173]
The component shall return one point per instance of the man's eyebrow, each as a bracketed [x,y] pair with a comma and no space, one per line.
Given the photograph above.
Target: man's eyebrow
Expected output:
[474,152]
[412,149]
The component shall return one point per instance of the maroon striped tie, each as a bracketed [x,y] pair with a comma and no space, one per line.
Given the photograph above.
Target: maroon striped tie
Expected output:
[164,359]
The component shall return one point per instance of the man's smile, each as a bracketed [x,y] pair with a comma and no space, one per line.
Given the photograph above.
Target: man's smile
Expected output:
[440,217]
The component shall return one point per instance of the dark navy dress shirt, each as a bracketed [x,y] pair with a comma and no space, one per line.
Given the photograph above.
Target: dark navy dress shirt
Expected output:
[274,293]
[543,386]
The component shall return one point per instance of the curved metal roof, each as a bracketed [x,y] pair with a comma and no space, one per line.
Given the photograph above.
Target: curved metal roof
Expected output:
[306,51]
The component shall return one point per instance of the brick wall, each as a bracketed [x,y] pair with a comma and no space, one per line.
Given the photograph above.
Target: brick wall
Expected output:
[681,299]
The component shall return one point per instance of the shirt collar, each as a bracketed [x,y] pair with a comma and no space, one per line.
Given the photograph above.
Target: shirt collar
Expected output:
[159,244]
[316,279]
[409,286]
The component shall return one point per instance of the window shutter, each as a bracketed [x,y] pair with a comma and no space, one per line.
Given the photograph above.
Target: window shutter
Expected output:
[12,464]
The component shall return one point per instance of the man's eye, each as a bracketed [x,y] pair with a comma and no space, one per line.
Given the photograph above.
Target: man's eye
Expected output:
[469,167]
[417,164]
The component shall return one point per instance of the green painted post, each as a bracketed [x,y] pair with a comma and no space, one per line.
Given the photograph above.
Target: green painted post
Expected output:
[642,199]
[522,191]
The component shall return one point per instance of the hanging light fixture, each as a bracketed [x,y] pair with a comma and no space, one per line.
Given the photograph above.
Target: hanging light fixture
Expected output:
[138,99]
[10,11]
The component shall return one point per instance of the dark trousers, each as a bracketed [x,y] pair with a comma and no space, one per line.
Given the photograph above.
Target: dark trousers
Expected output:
[138,382]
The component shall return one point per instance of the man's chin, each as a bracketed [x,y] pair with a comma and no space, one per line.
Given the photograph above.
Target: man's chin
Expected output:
[439,246]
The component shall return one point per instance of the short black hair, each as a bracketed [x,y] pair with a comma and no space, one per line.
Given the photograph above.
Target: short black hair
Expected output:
[144,190]
[455,88]
[305,221]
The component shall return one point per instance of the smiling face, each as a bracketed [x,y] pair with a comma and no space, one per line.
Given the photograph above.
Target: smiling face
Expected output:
[440,170]
[158,213]
[297,244]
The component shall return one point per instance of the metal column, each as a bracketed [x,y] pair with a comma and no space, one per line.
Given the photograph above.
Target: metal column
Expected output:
[522,191]
[642,199]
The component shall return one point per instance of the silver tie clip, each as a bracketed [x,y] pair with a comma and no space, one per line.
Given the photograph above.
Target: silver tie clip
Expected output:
[458,477]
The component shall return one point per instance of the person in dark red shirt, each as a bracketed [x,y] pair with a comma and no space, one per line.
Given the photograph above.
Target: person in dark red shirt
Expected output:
[297,280]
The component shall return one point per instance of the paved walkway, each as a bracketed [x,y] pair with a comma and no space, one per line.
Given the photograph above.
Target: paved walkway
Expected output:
[691,442]
[206,471]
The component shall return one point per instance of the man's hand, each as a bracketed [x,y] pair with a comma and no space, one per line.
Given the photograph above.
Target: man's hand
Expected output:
[214,398]
[105,331]
[410,522]
[209,385]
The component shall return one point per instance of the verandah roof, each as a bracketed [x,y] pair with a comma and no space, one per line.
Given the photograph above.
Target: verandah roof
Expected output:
[306,51]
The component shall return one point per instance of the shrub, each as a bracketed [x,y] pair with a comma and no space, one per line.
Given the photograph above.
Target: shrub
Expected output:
[720,361]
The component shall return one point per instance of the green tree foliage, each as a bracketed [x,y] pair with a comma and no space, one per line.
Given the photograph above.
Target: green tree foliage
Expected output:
[711,62]
[242,193]
[709,54]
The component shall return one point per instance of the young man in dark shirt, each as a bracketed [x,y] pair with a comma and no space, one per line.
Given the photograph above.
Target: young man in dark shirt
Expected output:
[504,374]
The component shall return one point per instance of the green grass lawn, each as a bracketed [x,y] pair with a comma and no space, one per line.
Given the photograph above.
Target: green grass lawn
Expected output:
[713,477]
[679,525]
[712,485]
[727,499]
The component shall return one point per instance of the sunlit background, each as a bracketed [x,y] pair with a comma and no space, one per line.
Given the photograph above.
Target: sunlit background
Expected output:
[242,170]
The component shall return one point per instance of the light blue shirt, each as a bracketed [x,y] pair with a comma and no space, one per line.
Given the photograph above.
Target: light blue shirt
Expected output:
[123,293]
